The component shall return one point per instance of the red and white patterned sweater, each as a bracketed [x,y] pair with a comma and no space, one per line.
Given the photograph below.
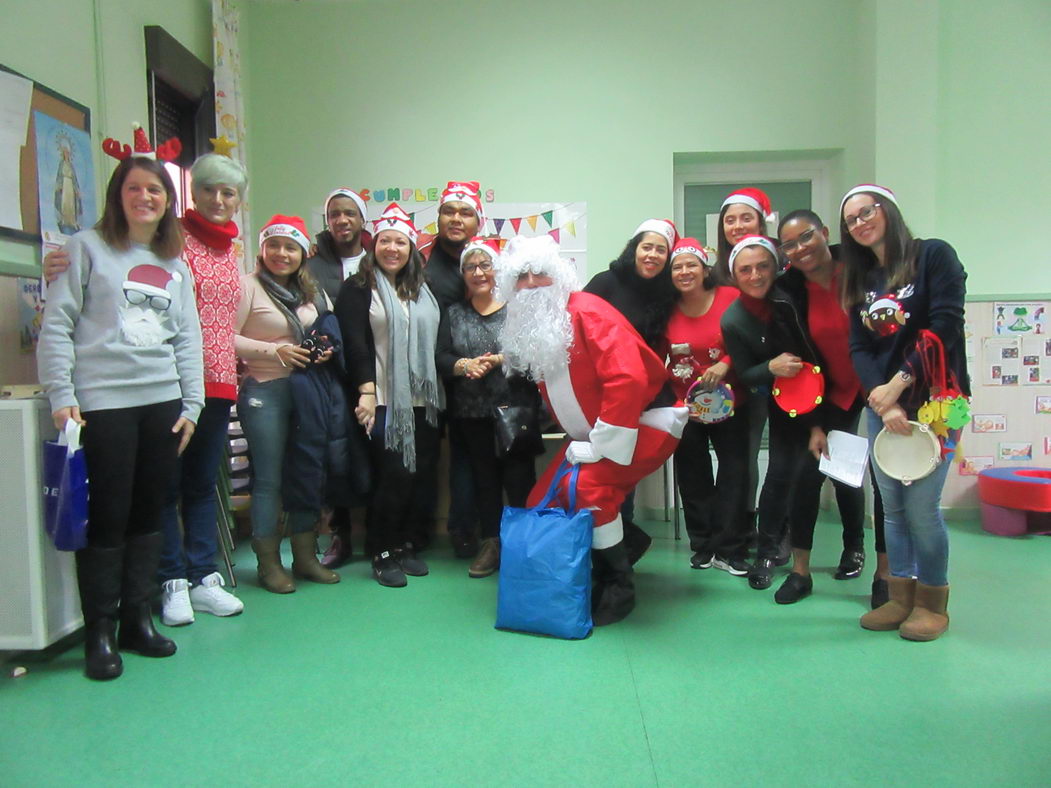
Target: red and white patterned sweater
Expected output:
[217,284]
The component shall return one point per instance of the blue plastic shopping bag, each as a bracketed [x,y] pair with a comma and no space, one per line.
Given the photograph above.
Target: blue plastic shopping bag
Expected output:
[545,566]
[66,490]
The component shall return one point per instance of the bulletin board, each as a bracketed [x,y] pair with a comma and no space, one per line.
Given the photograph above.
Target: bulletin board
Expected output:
[1008,346]
[53,104]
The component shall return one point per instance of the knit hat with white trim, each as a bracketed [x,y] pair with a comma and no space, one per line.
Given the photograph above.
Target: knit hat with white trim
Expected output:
[286,227]
[754,198]
[665,227]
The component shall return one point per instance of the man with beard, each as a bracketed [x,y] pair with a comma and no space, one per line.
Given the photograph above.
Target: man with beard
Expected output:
[339,251]
[460,218]
[602,382]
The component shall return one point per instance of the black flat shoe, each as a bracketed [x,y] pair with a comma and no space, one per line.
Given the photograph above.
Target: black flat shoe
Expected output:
[410,563]
[387,571]
[793,589]
[762,574]
[851,562]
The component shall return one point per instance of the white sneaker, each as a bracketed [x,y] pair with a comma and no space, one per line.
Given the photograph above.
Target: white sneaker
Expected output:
[209,597]
[176,610]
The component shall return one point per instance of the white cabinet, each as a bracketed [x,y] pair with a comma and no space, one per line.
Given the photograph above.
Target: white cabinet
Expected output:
[39,602]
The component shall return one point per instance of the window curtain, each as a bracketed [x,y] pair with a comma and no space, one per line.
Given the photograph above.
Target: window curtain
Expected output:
[229,107]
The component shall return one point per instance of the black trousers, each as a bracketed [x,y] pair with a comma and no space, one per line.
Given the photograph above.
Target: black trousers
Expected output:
[493,476]
[793,484]
[131,454]
[717,520]
[402,502]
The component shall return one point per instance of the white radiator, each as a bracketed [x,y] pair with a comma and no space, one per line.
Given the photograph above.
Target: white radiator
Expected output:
[38,587]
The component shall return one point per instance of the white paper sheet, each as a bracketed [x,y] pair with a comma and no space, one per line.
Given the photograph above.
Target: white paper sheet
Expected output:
[15,94]
[848,456]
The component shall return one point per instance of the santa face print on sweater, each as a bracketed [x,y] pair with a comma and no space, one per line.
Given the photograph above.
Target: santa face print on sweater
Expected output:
[145,320]
[885,314]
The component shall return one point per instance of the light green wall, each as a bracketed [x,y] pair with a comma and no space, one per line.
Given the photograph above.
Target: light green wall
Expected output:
[963,113]
[545,100]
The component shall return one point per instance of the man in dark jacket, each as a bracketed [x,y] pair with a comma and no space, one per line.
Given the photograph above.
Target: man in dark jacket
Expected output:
[340,247]
[460,218]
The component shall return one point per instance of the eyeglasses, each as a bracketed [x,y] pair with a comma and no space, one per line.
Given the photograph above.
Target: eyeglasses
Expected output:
[136,297]
[803,239]
[469,268]
[862,216]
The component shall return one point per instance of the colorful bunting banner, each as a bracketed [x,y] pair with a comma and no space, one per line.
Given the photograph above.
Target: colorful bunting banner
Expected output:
[516,223]
[548,216]
[554,234]
[532,221]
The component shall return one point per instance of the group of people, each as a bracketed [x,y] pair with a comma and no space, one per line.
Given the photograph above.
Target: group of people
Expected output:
[359,350]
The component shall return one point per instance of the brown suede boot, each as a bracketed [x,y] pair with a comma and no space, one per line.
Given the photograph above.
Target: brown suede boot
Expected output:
[272,575]
[488,559]
[929,618]
[891,615]
[304,560]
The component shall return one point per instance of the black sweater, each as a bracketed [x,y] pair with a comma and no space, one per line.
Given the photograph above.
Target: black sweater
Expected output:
[646,303]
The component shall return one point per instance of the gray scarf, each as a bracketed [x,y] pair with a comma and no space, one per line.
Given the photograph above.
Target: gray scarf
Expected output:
[288,300]
[410,366]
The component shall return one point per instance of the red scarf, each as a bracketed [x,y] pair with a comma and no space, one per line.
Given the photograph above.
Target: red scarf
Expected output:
[759,307]
[214,236]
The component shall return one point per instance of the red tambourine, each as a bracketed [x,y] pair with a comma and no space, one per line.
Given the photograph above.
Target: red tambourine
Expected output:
[710,407]
[802,393]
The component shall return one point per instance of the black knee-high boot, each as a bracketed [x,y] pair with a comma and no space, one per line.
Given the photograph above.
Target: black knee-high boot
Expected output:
[99,577]
[612,587]
[137,633]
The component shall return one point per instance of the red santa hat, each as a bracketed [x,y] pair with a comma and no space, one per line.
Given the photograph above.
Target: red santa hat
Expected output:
[286,227]
[665,227]
[867,188]
[489,246]
[343,191]
[150,279]
[464,191]
[394,218]
[166,151]
[689,246]
[754,198]
[751,240]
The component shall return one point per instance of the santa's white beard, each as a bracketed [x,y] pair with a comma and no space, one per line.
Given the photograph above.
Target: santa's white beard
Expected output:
[537,332]
[143,327]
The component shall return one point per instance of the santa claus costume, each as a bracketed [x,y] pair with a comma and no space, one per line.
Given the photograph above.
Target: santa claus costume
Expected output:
[601,381]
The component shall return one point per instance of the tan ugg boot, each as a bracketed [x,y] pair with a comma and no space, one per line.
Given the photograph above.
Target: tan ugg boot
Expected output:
[929,618]
[304,560]
[891,615]
[272,575]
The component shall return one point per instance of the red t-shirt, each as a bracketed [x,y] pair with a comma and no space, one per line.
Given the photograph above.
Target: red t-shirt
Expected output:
[830,329]
[704,338]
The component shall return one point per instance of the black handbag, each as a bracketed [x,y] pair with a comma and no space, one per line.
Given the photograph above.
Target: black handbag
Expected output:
[517,429]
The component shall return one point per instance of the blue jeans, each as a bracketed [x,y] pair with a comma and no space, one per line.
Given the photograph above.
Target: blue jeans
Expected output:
[917,539]
[189,552]
[265,411]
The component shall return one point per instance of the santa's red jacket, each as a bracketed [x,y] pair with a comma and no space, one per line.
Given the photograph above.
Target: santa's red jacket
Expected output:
[604,397]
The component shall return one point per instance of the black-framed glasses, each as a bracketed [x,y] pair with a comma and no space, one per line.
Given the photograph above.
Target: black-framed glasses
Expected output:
[136,297]
[862,216]
[803,239]
[484,267]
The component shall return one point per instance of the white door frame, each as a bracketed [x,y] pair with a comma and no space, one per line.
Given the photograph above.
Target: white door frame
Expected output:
[817,171]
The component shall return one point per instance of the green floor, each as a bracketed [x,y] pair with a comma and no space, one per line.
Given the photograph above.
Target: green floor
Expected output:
[707,683]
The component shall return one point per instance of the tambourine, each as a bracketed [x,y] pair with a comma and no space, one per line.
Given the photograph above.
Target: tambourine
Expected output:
[802,393]
[710,407]
[907,458]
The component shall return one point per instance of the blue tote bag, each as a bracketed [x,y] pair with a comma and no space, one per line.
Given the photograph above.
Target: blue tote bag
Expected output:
[545,566]
[66,490]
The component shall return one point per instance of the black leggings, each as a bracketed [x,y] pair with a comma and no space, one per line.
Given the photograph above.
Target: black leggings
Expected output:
[131,454]
[401,502]
[493,476]
[793,484]
[716,517]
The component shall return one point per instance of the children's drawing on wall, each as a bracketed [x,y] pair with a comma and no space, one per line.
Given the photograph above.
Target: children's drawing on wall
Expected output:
[988,422]
[1014,360]
[1020,318]
[1014,451]
[972,466]
[968,342]
[1047,444]
[30,312]
[65,176]
[1043,404]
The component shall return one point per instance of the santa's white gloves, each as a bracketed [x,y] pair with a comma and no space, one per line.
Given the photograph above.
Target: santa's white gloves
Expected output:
[582,452]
